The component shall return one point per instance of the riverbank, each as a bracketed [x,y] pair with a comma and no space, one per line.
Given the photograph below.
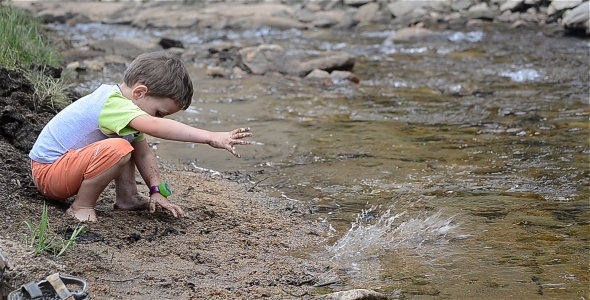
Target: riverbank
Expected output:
[235,243]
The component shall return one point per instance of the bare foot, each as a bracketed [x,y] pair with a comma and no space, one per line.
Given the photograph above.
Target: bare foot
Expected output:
[135,202]
[82,214]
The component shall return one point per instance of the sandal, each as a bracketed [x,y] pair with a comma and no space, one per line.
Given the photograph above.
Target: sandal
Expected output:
[52,288]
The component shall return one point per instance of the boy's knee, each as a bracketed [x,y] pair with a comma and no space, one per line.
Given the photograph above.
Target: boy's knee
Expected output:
[119,143]
[126,158]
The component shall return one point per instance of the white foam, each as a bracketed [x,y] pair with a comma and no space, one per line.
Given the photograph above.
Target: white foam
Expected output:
[521,75]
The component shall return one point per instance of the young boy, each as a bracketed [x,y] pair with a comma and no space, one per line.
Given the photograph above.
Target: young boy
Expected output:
[101,137]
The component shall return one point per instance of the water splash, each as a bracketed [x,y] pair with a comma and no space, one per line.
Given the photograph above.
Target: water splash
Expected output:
[357,252]
[370,235]
[423,230]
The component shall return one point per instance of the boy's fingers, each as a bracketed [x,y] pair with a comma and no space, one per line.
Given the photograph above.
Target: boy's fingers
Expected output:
[239,130]
[180,212]
[241,135]
[169,207]
[233,151]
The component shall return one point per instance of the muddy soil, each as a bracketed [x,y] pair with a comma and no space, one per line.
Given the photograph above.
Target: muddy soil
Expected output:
[235,243]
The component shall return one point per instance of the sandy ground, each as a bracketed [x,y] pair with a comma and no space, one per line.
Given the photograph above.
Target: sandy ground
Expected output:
[235,243]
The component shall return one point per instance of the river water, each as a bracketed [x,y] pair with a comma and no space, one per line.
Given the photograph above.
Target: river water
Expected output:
[458,168]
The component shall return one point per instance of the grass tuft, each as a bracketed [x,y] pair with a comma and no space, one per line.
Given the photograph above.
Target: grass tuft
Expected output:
[43,240]
[22,41]
[49,91]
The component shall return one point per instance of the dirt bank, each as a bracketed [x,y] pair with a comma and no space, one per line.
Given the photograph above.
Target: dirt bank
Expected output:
[235,243]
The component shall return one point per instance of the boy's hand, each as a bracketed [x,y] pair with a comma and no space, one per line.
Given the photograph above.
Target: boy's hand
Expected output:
[227,140]
[164,203]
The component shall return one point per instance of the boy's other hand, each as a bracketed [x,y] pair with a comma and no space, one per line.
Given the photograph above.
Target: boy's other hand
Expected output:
[164,203]
[227,140]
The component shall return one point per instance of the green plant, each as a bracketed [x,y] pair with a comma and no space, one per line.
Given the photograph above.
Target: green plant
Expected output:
[22,41]
[43,240]
[38,233]
[72,240]
[49,91]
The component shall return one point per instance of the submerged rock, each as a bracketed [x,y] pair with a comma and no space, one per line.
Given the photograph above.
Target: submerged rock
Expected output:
[412,34]
[357,294]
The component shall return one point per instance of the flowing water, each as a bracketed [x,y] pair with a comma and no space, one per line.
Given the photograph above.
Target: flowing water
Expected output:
[456,169]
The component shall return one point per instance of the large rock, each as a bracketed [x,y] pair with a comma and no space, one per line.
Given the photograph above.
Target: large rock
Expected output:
[279,23]
[557,6]
[357,3]
[60,11]
[250,16]
[461,5]
[252,10]
[325,19]
[481,11]
[479,7]
[578,18]
[404,7]
[127,47]
[358,294]
[329,63]
[366,13]
[511,5]
[266,58]
[163,18]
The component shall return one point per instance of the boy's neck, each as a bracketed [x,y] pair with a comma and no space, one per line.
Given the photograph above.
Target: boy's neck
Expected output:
[126,91]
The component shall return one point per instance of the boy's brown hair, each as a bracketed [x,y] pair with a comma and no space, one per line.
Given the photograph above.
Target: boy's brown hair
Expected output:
[165,76]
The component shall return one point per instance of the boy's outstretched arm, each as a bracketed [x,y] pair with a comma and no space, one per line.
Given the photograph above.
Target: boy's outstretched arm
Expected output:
[146,164]
[176,131]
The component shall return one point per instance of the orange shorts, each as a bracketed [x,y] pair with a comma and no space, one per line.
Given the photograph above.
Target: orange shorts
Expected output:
[63,178]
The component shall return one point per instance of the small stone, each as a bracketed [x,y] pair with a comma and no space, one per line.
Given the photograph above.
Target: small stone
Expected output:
[216,72]
[518,23]
[320,76]
[73,65]
[238,72]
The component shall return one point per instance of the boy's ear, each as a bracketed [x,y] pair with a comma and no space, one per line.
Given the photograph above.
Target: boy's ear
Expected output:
[139,91]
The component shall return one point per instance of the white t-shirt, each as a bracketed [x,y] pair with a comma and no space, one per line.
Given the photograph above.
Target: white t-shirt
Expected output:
[105,113]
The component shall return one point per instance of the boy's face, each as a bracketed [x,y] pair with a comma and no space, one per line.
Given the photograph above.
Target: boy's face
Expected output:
[155,107]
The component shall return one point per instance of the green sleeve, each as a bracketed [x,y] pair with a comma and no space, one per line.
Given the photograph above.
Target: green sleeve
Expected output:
[116,114]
